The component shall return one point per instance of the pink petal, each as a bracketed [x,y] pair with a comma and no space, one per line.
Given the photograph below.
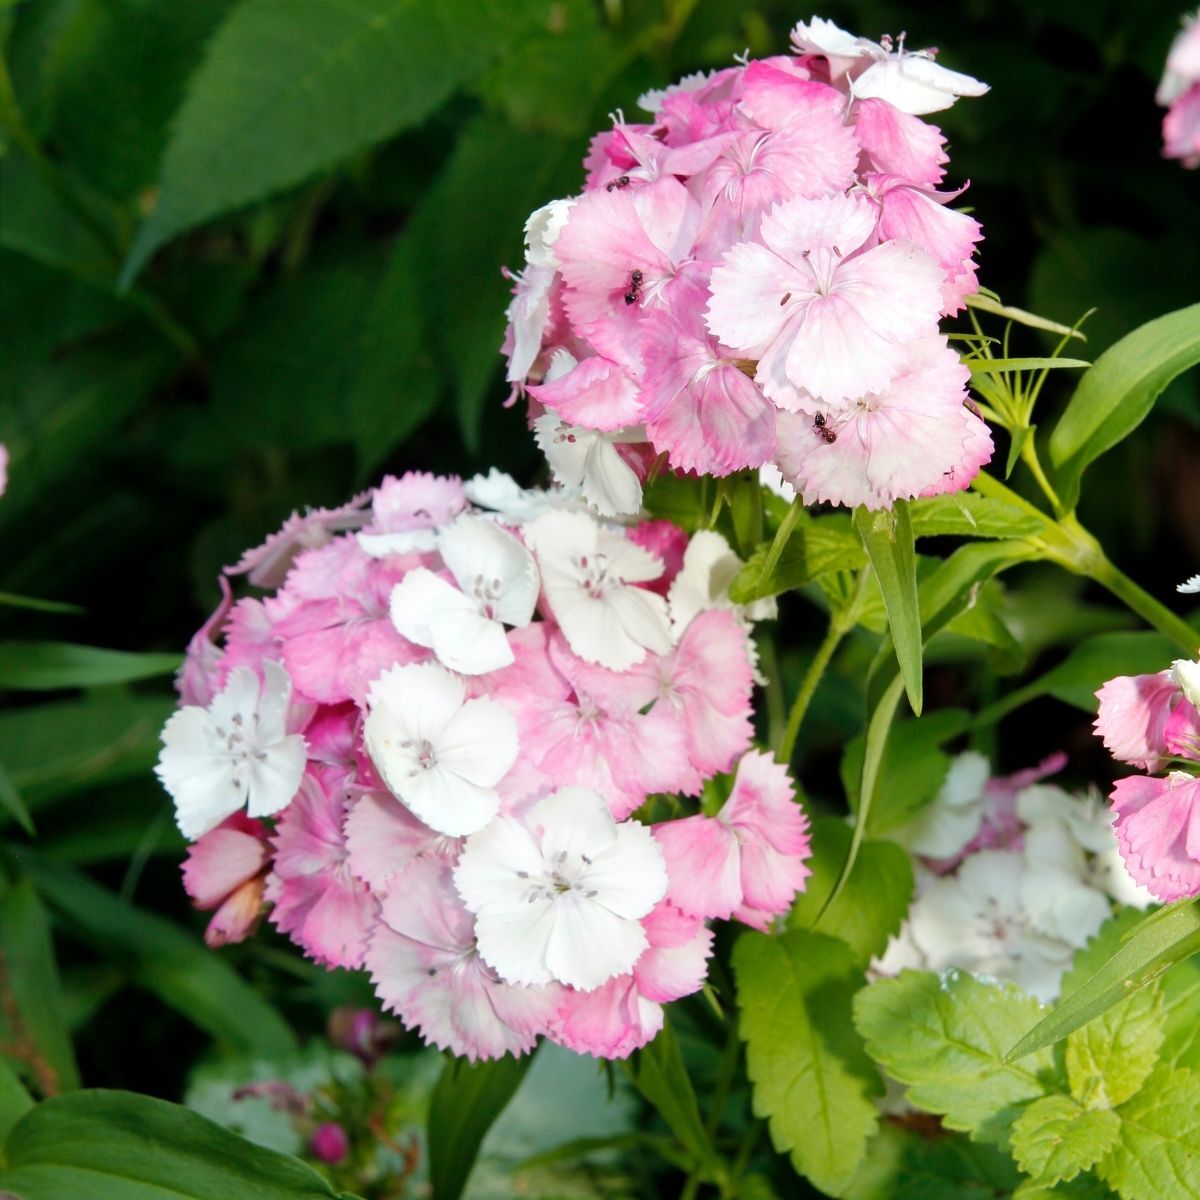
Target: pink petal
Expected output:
[597,394]
[383,839]
[900,144]
[703,866]
[610,1022]
[223,859]
[1133,715]
[676,964]
[1153,827]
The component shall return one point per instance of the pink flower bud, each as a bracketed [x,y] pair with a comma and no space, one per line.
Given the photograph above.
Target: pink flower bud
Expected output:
[329,1142]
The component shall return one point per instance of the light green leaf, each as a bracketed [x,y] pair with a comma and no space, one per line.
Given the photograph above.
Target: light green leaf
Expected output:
[818,546]
[1054,1138]
[173,964]
[1082,1187]
[29,973]
[945,1036]
[15,1101]
[811,1079]
[660,1074]
[292,87]
[1157,1156]
[874,900]
[48,666]
[971,515]
[991,304]
[888,539]
[1154,945]
[1110,1057]
[106,1145]
[466,1101]
[1117,393]
[997,366]
[1181,1002]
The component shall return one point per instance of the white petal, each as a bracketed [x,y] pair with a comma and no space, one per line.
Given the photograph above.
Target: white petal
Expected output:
[709,566]
[515,945]
[915,84]
[492,567]
[428,611]
[489,868]
[643,617]
[413,701]
[629,877]
[573,821]
[589,945]
[479,742]
[542,230]
[1185,675]
[237,699]
[446,801]
[587,459]
[275,778]
[1190,586]
[381,545]
[274,701]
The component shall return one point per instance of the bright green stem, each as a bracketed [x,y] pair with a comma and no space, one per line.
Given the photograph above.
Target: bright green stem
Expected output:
[825,651]
[782,537]
[1029,456]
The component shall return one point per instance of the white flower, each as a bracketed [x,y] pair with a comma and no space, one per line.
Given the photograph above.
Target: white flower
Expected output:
[588,578]
[709,567]
[842,49]
[1190,586]
[561,895]
[542,230]
[588,460]
[464,626]
[771,477]
[235,752]
[528,312]
[515,505]
[954,817]
[912,82]
[439,753]
[1185,675]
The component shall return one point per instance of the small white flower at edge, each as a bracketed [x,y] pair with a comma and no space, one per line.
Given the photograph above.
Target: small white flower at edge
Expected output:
[561,895]
[589,460]
[235,752]
[440,754]
[464,626]
[1190,586]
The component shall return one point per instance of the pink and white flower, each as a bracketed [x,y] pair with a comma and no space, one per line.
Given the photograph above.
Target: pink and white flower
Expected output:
[225,870]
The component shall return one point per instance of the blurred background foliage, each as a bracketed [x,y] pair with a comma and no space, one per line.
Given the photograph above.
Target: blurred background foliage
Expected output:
[250,257]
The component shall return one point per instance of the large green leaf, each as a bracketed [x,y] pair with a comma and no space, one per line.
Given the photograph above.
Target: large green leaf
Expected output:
[30,976]
[1056,1137]
[101,1145]
[1154,945]
[946,1038]
[812,1080]
[1115,395]
[15,1101]
[49,666]
[968,514]
[292,87]
[817,546]
[466,1101]
[168,961]
[888,538]
[1109,1058]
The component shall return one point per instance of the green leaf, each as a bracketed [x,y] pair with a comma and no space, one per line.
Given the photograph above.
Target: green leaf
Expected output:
[1181,1002]
[888,539]
[971,515]
[997,366]
[991,304]
[48,666]
[1117,393]
[106,1145]
[874,900]
[29,973]
[1109,1058]
[818,546]
[660,1074]
[289,88]
[1158,1154]
[1054,1138]
[466,1101]
[11,802]
[945,1036]
[15,1101]
[161,957]
[1153,946]
[811,1079]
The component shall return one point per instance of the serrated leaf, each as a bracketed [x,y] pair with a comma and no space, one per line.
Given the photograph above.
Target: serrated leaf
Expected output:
[1181,1002]
[888,539]
[292,87]
[946,1036]
[971,515]
[874,900]
[818,546]
[29,975]
[1110,1057]
[107,1145]
[1157,1156]
[1116,394]
[1152,947]
[465,1103]
[1055,1138]
[811,1078]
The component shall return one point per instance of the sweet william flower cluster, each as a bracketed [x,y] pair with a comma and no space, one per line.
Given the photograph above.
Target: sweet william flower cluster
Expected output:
[421,749]
[1179,94]
[755,275]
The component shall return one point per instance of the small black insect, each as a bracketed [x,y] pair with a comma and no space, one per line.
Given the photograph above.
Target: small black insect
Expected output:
[635,287]
[621,181]
[786,297]
[826,434]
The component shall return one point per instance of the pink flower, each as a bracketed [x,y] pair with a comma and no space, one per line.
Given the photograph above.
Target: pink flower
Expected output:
[824,316]
[1158,832]
[225,870]
[897,143]
[3,468]
[407,512]
[316,898]
[329,1143]
[913,437]
[1133,716]
[267,565]
[748,861]
[426,968]
[199,679]
[383,839]
[625,1013]
[1181,128]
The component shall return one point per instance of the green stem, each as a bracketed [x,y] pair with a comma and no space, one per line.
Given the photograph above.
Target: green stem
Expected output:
[1029,456]
[816,669]
[1146,607]
[769,658]
[726,1073]
[782,536]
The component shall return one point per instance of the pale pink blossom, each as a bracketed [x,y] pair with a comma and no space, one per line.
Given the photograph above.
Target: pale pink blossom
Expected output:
[407,512]
[267,565]
[1181,128]
[914,437]
[1132,718]
[198,680]
[896,143]
[749,860]
[828,319]
[383,839]
[315,896]
[1158,831]
[426,968]
[225,870]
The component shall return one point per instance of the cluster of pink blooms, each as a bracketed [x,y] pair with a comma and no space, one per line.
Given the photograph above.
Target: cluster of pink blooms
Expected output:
[1152,722]
[1179,93]
[422,748]
[755,276]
